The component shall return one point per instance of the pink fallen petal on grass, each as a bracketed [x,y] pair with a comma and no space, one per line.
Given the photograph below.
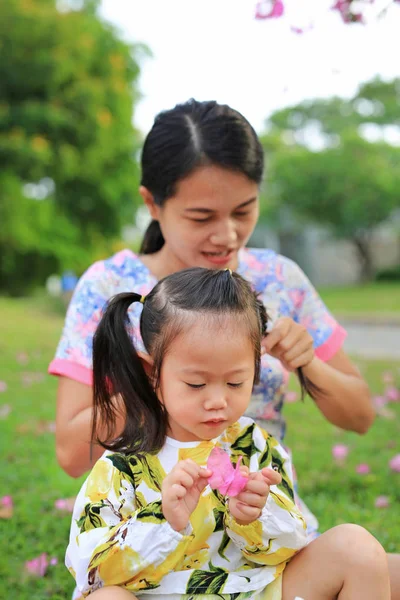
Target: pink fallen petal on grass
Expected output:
[54,561]
[225,478]
[3,386]
[387,377]
[392,394]
[340,452]
[291,397]
[37,566]
[65,504]
[6,507]
[363,469]
[5,410]
[269,9]
[22,358]
[382,502]
[394,463]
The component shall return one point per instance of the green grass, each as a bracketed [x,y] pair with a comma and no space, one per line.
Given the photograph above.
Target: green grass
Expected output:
[32,477]
[378,298]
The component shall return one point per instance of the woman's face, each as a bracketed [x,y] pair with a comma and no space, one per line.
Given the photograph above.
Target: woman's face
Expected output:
[210,217]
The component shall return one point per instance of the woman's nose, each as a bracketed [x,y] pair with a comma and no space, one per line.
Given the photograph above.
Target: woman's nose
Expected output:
[225,234]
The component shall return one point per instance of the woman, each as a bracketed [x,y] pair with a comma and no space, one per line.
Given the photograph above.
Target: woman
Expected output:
[202,165]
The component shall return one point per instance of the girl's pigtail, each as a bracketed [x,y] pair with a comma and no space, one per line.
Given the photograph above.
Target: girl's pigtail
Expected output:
[306,385]
[121,386]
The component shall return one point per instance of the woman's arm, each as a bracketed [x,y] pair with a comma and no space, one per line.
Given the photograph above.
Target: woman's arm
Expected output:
[344,398]
[74,427]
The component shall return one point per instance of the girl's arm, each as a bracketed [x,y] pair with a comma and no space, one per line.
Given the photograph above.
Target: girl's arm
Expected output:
[113,541]
[280,531]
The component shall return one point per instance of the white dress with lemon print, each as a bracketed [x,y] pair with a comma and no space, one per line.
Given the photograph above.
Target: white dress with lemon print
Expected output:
[119,535]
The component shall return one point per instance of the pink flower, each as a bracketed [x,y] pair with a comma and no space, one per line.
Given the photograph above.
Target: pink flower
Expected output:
[65,504]
[387,377]
[344,8]
[54,561]
[6,507]
[363,469]
[291,397]
[5,410]
[379,401]
[3,386]
[392,394]
[340,452]
[382,502]
[37,566]
[269,9]
[394,463]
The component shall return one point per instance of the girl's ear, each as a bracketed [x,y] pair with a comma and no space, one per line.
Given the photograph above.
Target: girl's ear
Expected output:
[148,199]
[147,363]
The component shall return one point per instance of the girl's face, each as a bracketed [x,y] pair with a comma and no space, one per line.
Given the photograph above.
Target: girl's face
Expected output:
[207,378]
[210,217]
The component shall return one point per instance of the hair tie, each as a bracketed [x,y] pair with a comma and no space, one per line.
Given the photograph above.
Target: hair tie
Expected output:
[229,270]
[142,299]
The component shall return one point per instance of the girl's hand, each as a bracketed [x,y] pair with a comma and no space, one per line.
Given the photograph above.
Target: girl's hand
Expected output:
[248,505]
[181,490]
[290,343]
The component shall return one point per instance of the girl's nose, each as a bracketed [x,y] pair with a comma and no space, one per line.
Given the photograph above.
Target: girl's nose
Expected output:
[216,401]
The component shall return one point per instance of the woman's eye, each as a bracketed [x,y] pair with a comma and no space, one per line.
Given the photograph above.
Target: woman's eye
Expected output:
[195,386]
[206,220]
[235,385]
[241,214]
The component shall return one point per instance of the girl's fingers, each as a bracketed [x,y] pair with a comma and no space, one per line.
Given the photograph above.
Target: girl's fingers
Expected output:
[177,491]
[251,499]
[272,477]
[246,511]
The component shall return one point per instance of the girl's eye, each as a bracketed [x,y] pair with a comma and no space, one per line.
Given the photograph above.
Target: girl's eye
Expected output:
[235,385]
[195,386]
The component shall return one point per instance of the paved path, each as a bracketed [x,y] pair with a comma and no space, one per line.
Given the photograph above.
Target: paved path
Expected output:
[373,340]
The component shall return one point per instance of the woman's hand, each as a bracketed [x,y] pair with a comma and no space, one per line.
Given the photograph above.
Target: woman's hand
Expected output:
[290,343]
[181,491]
[248,505]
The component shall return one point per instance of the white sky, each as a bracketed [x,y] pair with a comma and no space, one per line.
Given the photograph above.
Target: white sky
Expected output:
[215,49]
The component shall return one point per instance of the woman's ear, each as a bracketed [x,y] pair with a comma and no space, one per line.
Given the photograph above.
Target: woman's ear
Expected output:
[148,199]
[148,363]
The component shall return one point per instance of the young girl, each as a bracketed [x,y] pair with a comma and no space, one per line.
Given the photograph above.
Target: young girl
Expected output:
[146,522]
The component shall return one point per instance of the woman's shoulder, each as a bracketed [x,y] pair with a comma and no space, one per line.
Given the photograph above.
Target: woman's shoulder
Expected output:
[121,272]
[263,266]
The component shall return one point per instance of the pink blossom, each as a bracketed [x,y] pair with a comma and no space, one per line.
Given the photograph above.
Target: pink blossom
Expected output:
[5,410]
[37,566]
[340,452]
[3,386]
[382,502]
[392,394]
[65,504]
[344,8]
[394,463]
[6,507]
[379,401]
[291,397]
[363,469]
[269,9]
[54,561]
[387,377]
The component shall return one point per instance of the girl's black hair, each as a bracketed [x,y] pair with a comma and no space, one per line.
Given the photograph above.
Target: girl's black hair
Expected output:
[191,135]
[118,372]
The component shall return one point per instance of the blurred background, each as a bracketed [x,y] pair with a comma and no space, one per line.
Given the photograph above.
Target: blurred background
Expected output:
[80,84]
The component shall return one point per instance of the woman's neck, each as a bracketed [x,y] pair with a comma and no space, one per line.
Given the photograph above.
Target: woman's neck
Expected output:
[162,263]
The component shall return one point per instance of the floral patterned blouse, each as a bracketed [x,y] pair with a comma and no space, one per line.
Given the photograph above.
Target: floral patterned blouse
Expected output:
[282,285]
[119,535]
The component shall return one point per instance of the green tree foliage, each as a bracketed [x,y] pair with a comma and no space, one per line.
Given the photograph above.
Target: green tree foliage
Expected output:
[350,185]
[68,176]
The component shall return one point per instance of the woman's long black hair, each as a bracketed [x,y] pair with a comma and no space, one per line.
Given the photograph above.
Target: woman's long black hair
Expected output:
[118,372]
[191,135]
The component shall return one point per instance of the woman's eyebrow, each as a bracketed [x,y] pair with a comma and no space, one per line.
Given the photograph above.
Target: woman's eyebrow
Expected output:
[210,210]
